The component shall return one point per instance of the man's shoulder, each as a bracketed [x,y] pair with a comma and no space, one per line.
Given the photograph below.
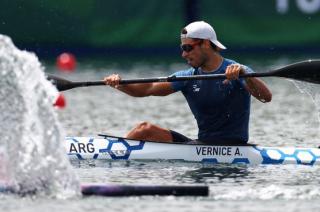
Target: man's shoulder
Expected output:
[229,61]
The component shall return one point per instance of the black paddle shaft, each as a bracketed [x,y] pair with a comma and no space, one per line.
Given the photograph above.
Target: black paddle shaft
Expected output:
[308,71]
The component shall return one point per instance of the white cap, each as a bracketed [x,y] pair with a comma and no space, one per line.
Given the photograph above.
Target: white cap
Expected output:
[202,30]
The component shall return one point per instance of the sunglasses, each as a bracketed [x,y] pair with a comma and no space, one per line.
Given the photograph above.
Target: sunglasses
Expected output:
[189,47]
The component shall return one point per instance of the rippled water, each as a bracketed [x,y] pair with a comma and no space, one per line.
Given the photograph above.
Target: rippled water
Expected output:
[291,119]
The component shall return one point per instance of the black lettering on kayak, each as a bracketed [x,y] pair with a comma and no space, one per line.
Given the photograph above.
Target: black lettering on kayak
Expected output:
[81,148]
[237,152]
[198,149]
[204,151]
[73,148]
[229,151]
[214,150]
[90,147]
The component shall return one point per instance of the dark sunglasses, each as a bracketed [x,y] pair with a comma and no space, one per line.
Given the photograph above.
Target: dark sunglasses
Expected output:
[189,47]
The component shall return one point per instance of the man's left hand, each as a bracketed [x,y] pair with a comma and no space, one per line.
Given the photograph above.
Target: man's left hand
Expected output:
[232,72]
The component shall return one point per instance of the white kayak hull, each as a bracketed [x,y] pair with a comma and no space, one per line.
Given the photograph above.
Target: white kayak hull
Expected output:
[115,148]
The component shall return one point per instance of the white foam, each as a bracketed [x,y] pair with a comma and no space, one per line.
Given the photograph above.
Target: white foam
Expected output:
[30,132]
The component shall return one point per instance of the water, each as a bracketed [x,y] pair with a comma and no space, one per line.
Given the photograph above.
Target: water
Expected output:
[291,119]
[32,157]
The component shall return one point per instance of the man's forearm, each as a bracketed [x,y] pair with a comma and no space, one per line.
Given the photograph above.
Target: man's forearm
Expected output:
[258,89]
[135,90]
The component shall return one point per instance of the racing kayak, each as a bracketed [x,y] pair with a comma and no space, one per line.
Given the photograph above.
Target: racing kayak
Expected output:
[117,148]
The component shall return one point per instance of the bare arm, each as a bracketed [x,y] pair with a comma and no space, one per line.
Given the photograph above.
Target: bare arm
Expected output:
[258,89]
[254,86]
[140,89]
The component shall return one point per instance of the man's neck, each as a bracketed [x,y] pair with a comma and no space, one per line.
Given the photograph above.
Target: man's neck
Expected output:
[213,63]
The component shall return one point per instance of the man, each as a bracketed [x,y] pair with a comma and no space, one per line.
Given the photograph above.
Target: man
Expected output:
[221,107]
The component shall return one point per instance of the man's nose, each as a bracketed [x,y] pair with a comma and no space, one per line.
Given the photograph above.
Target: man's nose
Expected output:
[184,54]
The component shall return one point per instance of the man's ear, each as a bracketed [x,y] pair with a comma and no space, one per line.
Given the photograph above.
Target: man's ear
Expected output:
[206,44]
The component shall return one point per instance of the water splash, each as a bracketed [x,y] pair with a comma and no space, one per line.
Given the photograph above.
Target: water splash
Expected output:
[313,90]
[31,150]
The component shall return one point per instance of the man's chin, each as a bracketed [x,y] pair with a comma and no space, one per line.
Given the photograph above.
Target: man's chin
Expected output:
[193,65]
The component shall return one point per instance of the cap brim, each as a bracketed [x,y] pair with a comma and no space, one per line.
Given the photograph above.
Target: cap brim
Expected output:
[218,44]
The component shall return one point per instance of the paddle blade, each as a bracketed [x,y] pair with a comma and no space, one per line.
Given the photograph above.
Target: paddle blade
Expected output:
[308,71]
[60,83]
[136,190]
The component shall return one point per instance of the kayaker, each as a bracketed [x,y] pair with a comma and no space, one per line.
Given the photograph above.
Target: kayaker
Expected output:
[220,107]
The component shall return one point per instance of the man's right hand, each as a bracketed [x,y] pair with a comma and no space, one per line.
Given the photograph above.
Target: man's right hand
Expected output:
[112,80]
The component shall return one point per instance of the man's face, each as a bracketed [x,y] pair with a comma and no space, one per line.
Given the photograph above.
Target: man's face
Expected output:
[192,52]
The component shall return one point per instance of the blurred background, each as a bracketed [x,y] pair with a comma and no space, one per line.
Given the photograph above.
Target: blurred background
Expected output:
[145,29]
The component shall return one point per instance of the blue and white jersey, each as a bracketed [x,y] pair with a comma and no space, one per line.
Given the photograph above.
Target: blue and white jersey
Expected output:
[222,110]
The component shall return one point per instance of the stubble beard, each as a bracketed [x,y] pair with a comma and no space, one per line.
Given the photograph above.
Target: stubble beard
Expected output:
[203,61]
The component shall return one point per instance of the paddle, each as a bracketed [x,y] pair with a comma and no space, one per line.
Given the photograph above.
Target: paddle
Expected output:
[138,190]
[308,71]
